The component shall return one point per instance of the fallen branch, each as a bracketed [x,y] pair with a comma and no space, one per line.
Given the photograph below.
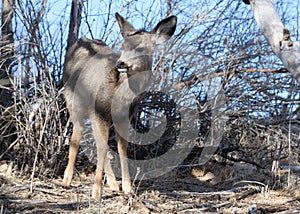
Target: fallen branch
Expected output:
[230,192]
[42,204]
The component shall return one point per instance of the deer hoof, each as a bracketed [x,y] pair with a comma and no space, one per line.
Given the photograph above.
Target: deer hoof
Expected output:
[96,193]
[127,188]
[66,181]
[114,186]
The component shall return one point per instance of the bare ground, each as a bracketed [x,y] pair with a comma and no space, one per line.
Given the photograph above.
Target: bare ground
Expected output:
[211,189]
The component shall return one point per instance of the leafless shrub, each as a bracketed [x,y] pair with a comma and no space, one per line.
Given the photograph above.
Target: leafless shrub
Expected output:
[218,41]
[38,124]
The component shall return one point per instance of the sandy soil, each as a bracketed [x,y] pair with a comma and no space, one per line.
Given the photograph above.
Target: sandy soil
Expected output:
[184,190]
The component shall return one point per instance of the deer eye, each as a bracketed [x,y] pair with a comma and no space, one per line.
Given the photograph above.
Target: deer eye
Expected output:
[139,49]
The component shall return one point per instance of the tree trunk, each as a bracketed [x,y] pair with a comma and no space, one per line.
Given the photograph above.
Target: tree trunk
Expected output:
[75,20]
[278,37]
[7,51]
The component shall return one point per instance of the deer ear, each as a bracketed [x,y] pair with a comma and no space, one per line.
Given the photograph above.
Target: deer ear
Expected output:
[165,29]
[125,26]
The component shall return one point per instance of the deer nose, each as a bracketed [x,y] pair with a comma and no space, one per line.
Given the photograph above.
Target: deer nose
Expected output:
[122,67]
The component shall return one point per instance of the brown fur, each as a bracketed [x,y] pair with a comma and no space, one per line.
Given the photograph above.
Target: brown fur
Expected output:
[91,79]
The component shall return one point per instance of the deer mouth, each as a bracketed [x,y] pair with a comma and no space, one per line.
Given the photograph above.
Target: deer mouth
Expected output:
[122,67]
[123,70]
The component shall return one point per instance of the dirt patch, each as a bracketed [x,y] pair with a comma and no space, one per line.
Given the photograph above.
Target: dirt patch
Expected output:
[184,190]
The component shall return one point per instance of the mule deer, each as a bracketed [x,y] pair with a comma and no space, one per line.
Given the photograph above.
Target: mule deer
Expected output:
[92,74]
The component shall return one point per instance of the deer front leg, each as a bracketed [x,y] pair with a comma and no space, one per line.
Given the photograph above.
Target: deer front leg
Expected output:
[122,149]
[76,136]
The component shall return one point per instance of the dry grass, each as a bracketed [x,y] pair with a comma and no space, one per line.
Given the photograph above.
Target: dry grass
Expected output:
[256,167]
[179,191]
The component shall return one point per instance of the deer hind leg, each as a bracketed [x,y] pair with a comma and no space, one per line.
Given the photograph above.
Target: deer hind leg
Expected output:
[122,149]
[74,145]
[111,179]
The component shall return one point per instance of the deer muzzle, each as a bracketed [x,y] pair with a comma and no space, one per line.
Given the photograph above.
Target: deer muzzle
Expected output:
[122,67]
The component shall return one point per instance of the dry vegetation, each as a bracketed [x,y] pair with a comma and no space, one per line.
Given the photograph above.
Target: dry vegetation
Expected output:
[255,169]
[180,191]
